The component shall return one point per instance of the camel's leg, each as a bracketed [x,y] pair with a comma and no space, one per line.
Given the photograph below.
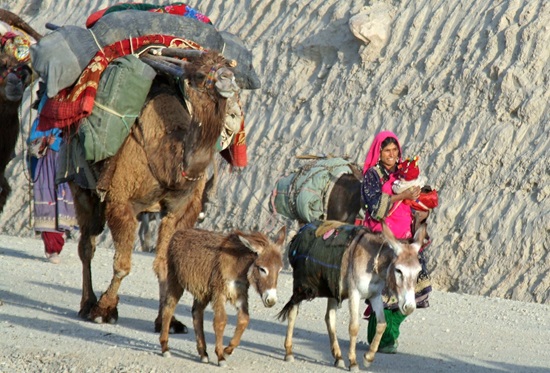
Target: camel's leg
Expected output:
[166,231]
[292,315]
[86,250]
[198,325]
[243,318]
[330,320]
[91,219]
[176,218]
[354,300]
[174,293]
[220,321]
[123,224]
[378,308]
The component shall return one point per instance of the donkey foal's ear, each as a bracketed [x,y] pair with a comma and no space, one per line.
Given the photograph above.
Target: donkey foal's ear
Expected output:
[247,244]
[281,235]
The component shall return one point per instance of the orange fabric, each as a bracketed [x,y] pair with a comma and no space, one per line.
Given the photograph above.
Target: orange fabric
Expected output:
[425,202]
[240,158]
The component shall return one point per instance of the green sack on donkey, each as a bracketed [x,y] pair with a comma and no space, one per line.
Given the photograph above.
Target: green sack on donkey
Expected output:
[121,93]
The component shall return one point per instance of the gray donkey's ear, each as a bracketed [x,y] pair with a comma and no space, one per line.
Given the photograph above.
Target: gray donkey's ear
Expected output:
[390,238]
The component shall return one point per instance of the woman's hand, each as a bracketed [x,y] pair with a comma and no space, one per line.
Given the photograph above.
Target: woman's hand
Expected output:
[412,193]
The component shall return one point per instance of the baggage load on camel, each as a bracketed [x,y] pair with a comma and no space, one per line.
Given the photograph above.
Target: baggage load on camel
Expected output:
[121,93]
[15,41]
[61,55]
[131,23]
[304,193]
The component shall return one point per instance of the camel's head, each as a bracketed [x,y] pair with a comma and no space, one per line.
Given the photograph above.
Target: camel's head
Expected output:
[14,78]
[212,71]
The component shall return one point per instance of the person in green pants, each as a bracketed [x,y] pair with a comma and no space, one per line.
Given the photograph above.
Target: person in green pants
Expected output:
[381,202]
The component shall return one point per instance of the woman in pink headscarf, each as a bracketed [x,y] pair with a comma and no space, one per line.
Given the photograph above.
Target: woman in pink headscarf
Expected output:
[379,173]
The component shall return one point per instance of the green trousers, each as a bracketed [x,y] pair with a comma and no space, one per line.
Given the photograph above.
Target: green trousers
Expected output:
[393,320]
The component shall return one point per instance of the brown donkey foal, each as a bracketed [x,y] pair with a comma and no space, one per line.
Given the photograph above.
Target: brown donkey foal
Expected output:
[218,268]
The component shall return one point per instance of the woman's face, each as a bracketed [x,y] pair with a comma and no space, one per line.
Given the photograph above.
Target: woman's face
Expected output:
[389,155]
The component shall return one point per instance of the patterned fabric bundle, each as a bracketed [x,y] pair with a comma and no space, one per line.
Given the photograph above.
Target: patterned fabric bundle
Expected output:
[179,9]
[15,42]
[71,105]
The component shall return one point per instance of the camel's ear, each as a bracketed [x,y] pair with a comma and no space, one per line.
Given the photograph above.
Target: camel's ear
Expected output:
[246,243]
[281,235]
[390,238]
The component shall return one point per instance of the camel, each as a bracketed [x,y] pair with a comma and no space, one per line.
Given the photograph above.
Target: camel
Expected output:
[163,161]
[15,77]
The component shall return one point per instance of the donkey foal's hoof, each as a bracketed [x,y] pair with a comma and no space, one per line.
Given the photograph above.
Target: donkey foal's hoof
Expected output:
[204,359]
[354,368]
[166,354]
[222,363]
[289,358]
[339,363]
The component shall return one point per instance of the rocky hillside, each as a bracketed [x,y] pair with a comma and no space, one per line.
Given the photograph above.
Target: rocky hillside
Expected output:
[464,84]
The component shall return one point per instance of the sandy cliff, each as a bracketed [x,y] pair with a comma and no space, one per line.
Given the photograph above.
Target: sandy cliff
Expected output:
[464,84]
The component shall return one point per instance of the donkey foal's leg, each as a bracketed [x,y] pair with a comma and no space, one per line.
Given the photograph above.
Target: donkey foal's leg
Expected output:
[220,321]
[198,325]
[243,318]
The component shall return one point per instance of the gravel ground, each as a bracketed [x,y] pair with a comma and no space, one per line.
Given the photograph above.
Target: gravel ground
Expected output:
[41,332]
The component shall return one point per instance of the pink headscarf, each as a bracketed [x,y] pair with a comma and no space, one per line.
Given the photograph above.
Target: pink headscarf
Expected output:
[373,155]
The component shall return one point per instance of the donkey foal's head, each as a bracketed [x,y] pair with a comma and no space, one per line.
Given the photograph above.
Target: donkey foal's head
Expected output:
[264,272]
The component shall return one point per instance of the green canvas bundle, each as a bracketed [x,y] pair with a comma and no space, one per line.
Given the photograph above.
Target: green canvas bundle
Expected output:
[121,94]
[304,193]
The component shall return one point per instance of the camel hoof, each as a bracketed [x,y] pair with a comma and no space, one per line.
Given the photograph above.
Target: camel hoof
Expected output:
[166,354]
[289,358]
[222,364]
[204,359]
[339,363]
